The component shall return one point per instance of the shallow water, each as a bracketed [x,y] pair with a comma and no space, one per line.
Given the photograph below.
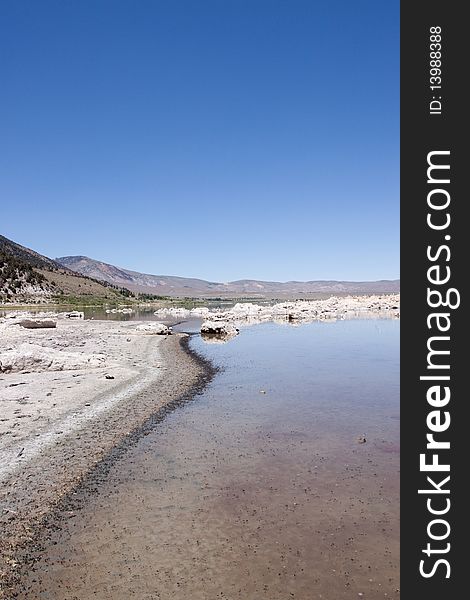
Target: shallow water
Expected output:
[139,313]
[258,488]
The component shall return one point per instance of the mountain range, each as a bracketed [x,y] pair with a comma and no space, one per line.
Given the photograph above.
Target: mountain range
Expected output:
[167,285]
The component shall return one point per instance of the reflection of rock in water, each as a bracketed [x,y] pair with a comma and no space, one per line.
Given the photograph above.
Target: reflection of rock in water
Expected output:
[218,338]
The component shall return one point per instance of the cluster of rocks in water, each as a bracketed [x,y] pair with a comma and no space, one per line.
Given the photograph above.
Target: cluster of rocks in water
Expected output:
[224,323]
[176,312]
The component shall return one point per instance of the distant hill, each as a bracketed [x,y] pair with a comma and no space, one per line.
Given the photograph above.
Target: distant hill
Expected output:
[27,256]
[27,276]
[166,285]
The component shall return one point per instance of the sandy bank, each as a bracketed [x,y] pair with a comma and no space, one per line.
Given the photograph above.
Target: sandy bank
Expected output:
[89,387]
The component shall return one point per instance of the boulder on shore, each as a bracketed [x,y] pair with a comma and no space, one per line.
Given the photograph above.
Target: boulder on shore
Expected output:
[74,314]
[33,358]
[38,324]
[154,328]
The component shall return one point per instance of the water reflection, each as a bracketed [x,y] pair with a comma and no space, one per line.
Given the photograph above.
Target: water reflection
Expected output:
[279,481]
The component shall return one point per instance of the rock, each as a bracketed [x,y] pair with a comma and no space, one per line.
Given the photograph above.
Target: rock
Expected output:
[173,312]
[34,358]
[246,309]
[200,311]
[218,328]
[293,312]
[38,324]
[154,328]
[361,439]
[218,332]
[74,314]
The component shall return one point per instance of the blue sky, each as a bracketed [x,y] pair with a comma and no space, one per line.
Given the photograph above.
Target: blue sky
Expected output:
[221,139]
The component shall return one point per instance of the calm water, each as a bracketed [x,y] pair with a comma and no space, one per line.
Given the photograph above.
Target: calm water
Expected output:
[259,488]
[139,313]
[143,312]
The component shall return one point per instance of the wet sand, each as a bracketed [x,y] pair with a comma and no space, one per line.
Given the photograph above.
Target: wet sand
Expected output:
[60,427]
[248,492]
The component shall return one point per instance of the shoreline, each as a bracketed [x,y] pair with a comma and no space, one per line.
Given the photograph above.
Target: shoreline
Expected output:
[264,479]
[60,473]
[50,474]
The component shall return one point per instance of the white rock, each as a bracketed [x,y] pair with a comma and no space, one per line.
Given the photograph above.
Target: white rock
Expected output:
[200,311]
[304,311]
[154,328]
[294,312]
[34,358]
[173,312]
[218,328]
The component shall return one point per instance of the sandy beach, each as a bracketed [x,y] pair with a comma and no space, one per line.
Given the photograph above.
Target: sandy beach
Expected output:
[86,389]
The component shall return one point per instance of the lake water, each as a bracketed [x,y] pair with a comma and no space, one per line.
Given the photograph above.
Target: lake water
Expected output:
[258,489]
[139,313]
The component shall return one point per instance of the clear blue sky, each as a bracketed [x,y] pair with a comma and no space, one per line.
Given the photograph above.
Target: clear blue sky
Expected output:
[220,139]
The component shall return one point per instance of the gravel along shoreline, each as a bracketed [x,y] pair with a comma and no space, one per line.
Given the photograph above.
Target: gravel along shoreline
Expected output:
[58,438]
